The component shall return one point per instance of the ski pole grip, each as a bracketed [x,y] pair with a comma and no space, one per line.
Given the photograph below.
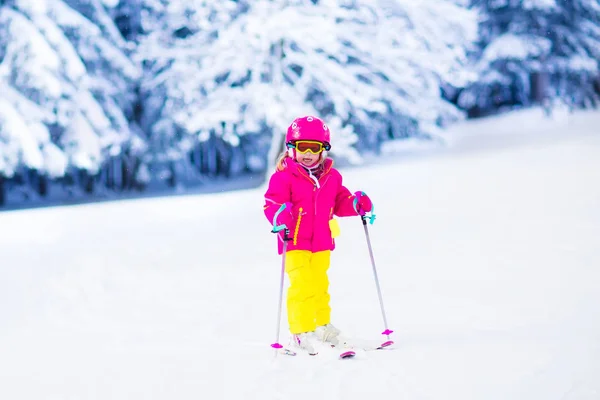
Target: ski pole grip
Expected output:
[277,228]
[362,214]
[357,197]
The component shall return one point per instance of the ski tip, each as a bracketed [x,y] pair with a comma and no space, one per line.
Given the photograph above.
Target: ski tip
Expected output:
[386,344]
[347,354]
[287,352]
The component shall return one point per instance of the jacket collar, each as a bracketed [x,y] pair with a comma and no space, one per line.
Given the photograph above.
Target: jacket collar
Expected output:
[297,169]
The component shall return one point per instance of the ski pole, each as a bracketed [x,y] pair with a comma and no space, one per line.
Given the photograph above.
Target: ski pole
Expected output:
[277,345]
[387,332]
[276,228]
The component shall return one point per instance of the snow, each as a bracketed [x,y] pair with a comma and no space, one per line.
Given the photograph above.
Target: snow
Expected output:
[14,133]
[535,52]
[588,64]
[548,5]
[27,43]
[81,143]
[56,161]
[487,254]
[58,65]
[517,47]
[333,58]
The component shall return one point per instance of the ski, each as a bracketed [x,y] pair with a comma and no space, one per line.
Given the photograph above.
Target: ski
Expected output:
[346,343]
[344,347]
[347,354]
[346,351]
[343,353]
[283,350]
[384,345]
[287,352]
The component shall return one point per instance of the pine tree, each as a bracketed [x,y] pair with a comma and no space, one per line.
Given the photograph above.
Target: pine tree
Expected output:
[119,93]
[373,70]
[535,50]
[67,90]
[172,34]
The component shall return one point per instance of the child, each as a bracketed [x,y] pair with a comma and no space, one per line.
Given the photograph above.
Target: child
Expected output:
[312,191]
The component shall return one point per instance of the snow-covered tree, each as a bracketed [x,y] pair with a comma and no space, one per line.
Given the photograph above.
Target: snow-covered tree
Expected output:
[207,87]
[233,70]
[66,87]
[535,50]
[168,31]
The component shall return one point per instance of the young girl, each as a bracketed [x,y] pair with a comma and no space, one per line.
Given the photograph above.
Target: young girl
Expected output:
[312,191]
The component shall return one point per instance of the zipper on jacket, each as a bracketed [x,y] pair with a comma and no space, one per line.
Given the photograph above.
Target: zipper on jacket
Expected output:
[297,226]
[317,195]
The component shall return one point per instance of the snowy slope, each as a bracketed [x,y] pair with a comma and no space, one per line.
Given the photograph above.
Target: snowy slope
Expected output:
[488,255]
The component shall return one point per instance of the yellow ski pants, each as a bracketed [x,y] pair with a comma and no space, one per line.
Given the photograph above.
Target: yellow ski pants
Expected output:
[307,296]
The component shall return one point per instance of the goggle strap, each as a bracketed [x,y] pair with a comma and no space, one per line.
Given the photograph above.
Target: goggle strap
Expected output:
[291,145]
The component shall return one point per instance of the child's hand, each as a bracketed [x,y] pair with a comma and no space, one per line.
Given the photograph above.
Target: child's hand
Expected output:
[285,217]
[363,203]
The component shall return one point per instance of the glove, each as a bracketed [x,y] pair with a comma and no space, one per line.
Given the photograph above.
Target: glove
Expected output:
[363,203]
[286,217]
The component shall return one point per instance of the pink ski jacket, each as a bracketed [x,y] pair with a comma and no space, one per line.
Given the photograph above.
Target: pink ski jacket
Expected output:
[315,202]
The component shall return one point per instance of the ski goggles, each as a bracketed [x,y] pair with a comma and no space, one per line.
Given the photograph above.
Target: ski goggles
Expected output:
[304,146]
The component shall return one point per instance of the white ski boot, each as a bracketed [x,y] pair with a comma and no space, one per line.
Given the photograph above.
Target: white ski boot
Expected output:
[328,333]
[303,342]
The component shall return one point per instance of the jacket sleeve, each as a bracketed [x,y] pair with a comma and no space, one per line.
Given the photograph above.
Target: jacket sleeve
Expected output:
[278,192]
[343,202]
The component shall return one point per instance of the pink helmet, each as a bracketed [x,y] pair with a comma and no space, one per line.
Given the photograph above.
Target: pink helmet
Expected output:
[308,128]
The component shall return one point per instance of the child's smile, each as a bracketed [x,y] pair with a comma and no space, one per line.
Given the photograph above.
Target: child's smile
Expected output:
[308,159]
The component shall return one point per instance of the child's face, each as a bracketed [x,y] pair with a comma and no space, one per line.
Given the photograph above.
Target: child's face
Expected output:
[308,159]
